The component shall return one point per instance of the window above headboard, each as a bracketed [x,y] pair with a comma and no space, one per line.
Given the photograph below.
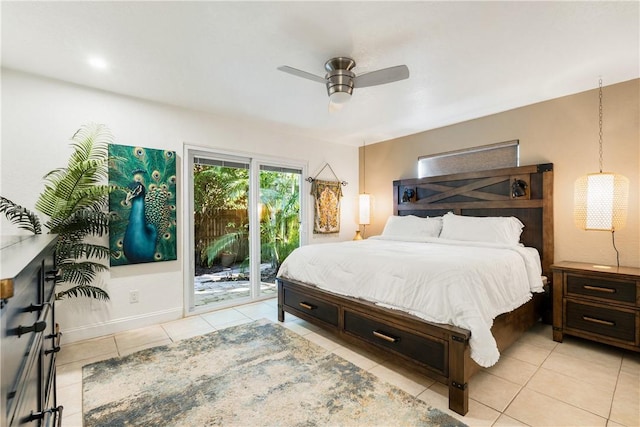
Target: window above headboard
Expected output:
[492,156]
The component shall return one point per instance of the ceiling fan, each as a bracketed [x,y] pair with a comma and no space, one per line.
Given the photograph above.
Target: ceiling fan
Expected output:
[341,80]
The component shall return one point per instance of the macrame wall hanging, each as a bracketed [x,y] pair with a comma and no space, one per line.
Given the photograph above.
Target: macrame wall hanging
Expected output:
[326,195]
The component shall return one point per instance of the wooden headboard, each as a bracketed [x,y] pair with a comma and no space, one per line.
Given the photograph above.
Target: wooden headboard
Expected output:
[488,193]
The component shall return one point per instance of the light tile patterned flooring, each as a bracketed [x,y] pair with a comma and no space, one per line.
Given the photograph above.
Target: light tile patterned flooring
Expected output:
[537,382]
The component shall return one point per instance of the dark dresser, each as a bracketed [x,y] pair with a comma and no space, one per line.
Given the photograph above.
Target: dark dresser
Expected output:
[600,303]
[30,336]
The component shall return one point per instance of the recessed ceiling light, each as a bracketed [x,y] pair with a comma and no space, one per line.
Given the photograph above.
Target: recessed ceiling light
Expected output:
[98,63]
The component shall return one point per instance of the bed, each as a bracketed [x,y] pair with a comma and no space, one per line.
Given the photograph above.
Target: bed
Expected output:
[441,350]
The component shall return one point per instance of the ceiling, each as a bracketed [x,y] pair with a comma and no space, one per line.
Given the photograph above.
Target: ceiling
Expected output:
[466,59]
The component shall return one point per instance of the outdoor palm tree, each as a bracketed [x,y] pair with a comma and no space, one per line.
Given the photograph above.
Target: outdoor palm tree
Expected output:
[280,224]
[221,189]
[218,191]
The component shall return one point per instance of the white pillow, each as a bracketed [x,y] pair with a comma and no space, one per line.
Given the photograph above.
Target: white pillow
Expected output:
[496,229]
[412,226]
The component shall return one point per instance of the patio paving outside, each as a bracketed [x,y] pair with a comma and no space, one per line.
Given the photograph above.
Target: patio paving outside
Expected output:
[230,283]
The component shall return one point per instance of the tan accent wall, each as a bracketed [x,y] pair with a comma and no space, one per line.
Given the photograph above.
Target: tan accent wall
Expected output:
[562,131]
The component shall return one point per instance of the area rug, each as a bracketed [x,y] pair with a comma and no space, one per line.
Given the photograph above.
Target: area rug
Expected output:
[250,375]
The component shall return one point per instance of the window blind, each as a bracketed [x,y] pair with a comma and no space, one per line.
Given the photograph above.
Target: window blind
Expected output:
[280,169]
[217,162]
[492,156]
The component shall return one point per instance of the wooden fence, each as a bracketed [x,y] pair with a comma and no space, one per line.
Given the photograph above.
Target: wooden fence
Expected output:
[210,226]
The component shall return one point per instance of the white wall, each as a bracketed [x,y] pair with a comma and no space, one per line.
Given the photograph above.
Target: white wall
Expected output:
[40,115]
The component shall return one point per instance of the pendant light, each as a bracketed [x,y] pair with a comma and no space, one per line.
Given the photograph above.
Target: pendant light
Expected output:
[600,199]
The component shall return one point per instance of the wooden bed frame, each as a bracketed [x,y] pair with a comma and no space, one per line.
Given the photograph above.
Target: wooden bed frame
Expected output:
[437,350]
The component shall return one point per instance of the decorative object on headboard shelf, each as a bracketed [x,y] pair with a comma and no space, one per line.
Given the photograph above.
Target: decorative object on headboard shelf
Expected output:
[408,195]
[600,199]
[518,188]
[326,196]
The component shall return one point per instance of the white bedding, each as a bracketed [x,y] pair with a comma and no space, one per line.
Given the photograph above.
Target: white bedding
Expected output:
[466,284]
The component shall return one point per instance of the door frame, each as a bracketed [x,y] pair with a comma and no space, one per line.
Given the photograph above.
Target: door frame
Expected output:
[254,160]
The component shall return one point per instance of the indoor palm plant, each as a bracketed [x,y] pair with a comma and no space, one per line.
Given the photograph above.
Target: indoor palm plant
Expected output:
[75,199]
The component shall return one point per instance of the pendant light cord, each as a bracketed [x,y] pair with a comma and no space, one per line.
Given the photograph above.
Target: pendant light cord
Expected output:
[613,231]
[613,240]
[364,176]
[600,121]
[364,168]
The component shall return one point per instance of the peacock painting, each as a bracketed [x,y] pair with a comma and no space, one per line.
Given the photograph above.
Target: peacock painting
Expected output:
[142,227]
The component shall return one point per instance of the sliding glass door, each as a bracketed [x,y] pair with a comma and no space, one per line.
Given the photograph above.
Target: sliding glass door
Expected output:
[279,213]
[245,218]
[221,230]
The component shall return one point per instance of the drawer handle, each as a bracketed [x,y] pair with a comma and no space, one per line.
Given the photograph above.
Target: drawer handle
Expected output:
[37,307]
[51,275]
[599,289]
[598,321]
[307,306]
[37,327]
[52,350]
[385,336]
[57,334]
[40,415]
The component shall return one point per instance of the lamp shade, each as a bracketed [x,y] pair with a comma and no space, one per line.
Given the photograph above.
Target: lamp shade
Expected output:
[365,209]
[600,201]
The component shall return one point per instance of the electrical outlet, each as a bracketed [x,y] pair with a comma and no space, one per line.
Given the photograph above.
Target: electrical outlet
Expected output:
[134,296]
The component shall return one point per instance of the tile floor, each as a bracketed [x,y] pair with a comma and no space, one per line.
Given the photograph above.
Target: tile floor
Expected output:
[537,382]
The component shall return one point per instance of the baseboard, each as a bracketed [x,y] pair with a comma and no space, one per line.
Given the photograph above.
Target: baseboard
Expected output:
[119,325]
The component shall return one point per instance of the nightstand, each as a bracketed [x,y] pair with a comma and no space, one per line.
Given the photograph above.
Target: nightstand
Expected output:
[600,303]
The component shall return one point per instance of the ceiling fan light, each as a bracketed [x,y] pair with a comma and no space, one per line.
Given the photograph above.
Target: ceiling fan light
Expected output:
[340,97]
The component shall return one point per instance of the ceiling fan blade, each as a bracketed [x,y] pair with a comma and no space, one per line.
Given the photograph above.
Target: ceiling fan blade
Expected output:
[379,77]
[302,74]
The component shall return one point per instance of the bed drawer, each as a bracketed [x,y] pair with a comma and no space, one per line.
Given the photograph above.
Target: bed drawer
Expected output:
[603,288]
[428,351]
[314,307]
[605,321]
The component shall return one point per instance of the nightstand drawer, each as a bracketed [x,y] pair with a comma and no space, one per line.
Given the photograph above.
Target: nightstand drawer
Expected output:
[605,321]
[317,308]
[612,290]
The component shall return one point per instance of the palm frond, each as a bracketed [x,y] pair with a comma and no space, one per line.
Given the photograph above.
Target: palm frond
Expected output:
[77,250]
[81,273]
[79,176]
[90,142]
[64,185]
[228,242]
[15,213]
[94,197]
[81,223]
[84,291]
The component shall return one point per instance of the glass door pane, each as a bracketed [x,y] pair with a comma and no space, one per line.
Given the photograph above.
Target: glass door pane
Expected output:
[279,214]
[245,218]
[221,230]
